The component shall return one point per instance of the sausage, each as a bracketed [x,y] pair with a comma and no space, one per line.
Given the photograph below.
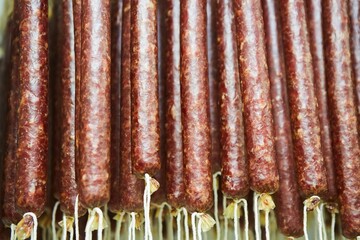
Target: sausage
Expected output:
[159,196]
[354,18]
[288,202]
[116,30]
[10,214]
[234,174]
[213,86]
[94,132]
[314,24]
[195,106]
[144,88]
[255,87]
[32,144]
[175,191]
[68,189]
[311,172]
[131,188]
[77,35]
[343,120]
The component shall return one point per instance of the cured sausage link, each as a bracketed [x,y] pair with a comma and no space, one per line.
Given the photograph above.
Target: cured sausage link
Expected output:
[314,24]
[144,88]
[94,132]
[305,123]
[195,105]
[68,189]
[175,191]
[343,117]
[131,187]
[234,174]
[116,36]
[32,150]
[288,202]
[255,87]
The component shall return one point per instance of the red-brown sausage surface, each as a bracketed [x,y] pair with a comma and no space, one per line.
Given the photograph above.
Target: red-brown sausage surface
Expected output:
[342,113]
[354,18]
[234,173]
[288,202]
[131,188]
[314,24]
[94,132]
[9,208]
[305,123]
[175,191]
[33,107]
[255,87]
[116,30]
[195,106]
[144,88]
[68,189]
[213,86]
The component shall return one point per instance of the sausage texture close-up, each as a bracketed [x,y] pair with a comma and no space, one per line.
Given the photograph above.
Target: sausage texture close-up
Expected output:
[145,132]
[255,89]
[288,202]
[343,117]
[94,132]
[195,106]
[311,172]
[234,174]
[32,133]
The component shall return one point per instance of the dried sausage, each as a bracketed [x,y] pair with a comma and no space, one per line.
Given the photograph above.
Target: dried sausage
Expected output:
[342,113]
[144,88]
[314,24]
[234,174]
[213,71]
[68,189]
[287,200]
[33,108]
[131,188]
[305,123]
[94,132]
[116,35]
[255,87]
[175,191]
[195,106]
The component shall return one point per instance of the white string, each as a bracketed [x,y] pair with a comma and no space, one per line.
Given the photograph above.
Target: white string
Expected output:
[246,213]
[322,205]
[159,218]
[199,227]
[256,214]
[43,233]
[88,234]
[64,231]
[186,224]
[107,232]
[178,224]
[100,223]
[53,220]
[319,220]
[236,220]
[35,221]
[132,226]
[216,202]
[267,227]
[118,226]
[12,232]
[225,220]
[193,225]
[76,217]
[333,219]
[71,233]
[169,223]
[306,236]
[147,200]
